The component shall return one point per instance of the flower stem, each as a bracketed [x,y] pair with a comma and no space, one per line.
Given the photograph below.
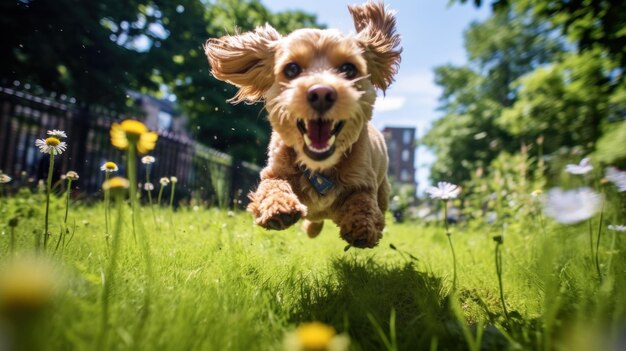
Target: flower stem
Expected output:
[171,215]
[145,248]
[107,200]
[590,237]
[132,178]
[48,190]
[67,200]
[160,194]
[598,246]
[159,203]
[109,278]
[148,181]
[67,207]
[172,196]
[499,272]
[445,219]
[150,194]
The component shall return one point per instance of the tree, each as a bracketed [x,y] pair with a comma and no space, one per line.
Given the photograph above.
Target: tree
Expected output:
[566,102]
[74,47]
[590,24]
[96,51]
[501,49]
[241,130]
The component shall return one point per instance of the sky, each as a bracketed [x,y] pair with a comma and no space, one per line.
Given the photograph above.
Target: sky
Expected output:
[432,35]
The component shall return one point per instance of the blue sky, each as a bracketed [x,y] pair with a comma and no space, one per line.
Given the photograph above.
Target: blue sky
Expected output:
[432,35]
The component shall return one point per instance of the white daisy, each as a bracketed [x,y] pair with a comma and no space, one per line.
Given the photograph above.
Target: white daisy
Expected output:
[617,227]
[71,175]
[57,133]
[616,177]
[146,160]
[51,145]
[148,187]
[4,179]
[164,181]
[583,167]
[444,191]
[572,206]
[109,167]
[173,179]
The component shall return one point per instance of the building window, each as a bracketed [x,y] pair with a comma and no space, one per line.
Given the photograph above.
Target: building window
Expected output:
[404,175]
[164,121]
[392,147]
[406,137]
[405,155]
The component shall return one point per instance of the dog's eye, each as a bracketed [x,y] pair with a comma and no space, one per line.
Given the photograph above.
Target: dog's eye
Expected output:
[292,70]
[348,69]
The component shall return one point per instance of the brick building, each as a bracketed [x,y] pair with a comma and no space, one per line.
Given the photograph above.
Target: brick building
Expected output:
[401,150]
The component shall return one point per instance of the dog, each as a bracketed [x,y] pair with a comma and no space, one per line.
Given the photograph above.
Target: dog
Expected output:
[325,158]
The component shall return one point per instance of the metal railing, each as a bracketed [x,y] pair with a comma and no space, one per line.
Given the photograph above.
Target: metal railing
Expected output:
[204,174]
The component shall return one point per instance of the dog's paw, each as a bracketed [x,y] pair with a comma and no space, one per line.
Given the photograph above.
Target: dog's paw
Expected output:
[280,212]
[362,231]
[282,221]
[312,229]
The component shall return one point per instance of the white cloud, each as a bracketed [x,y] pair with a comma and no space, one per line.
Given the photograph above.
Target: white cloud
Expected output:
[389,103]
[419,83]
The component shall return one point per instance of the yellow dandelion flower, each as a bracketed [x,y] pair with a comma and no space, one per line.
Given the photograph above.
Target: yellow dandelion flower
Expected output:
[116,183]
[173,179]
[109,167]
[135,132]
[27,285]
[315,336]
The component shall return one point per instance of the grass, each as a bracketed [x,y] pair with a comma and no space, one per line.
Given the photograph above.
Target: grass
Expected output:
[221,283]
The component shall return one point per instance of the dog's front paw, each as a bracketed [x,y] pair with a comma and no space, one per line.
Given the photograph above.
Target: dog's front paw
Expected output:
[280,221]
[275,206]
[277,210]
[362,231]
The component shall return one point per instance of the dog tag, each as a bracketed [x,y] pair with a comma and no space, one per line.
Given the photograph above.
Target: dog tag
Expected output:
[321,183]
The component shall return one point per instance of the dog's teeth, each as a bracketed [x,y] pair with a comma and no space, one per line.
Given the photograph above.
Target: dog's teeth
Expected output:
[307,140]
[331,141]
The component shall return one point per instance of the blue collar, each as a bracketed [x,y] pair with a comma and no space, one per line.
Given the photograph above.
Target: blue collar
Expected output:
[320,182]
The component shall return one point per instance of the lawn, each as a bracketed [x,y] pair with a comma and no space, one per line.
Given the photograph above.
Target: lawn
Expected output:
[217,282]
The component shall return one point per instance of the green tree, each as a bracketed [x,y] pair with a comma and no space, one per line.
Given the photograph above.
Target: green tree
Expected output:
[241,130]
[566,102]
[74,47]
[96,51]
[590,24]
[505,47]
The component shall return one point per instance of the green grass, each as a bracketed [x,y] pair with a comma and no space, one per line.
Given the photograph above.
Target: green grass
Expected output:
[221,283]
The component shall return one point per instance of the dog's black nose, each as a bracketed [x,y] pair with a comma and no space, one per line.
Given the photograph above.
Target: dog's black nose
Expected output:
[321,97]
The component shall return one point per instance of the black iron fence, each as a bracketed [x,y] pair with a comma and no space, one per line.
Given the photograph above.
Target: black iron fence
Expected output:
[203,173]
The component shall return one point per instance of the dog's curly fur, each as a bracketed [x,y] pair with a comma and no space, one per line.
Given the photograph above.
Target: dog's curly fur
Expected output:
[348,68]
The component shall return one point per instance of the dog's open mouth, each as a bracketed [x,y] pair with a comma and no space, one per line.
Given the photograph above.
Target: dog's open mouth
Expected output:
[319,137]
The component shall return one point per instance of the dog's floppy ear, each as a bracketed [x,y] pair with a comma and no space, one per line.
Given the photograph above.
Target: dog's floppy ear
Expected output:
[376,28]
[244,60]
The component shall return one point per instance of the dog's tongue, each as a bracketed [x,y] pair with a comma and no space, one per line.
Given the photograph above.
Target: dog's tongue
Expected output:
[319,133]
